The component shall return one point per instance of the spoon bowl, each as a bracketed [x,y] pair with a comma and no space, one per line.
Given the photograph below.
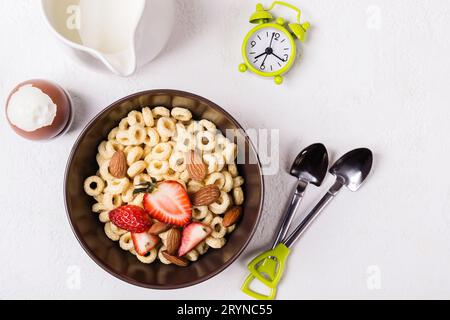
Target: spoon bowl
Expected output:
[311,164]
[353,168]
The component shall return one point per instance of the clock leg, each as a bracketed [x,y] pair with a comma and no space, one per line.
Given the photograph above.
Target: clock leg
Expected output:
[242,67]
[278,80]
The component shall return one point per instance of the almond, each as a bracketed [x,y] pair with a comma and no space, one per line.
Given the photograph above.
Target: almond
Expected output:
[206,195]
[195,166]
[173,241]
[181,262]
[118,165]
[232,216]
[158,227]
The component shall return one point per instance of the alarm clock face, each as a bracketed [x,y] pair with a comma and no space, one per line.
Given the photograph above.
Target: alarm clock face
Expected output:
[270,50]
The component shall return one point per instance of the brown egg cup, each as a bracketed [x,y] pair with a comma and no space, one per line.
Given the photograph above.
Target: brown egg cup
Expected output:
[64,113]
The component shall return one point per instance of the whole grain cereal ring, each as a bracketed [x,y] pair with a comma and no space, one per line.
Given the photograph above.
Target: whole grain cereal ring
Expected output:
[98,207]
[181,114]
[172,175]
[202,247]
[102,150]
[211,162]
[128,195]
[208,125]
[147,150]
[209,217]
[134,154]
[238,181]
[152,138]
[149,258]
[180,129]
[109,233]
[100,159]
[117,230]
[148,117]
[136,168]
[165,127]
[194,127]
[220,160]
[230,153]
[229,183]
[215,243]
[117,186]
[112,134]
[221,205]
[94,186]
[158,167]
[104,216]
[185,176]
[141,178]
[124,125]
[215,178]
[218,229]
[161,256]
[161,151]
[125,242]
[137,134]
[112,146]
[192,255]
[159,112]
[135,118]
[185,142]
[138,200]
[123,137]
[232,169]
[194,185]
[238,196]
[231,228]
[199,212]
[111,201]
[206,141]
[104,171]
[177,161]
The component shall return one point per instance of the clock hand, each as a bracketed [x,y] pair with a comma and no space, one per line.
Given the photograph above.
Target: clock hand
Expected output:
[260,55]
[271,40]
[262,64]
[278,57]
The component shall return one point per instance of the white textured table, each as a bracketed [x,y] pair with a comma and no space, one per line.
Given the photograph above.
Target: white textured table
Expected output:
[375,73]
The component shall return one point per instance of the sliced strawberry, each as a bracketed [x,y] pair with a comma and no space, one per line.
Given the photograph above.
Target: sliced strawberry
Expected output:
[131,218]
[193,234]
[144,242]
[169,203]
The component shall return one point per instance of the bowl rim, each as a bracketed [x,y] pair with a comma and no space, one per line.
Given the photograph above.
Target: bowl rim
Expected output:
[82,242]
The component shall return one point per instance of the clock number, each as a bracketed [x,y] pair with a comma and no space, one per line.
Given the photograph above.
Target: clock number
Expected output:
[286,57]
[253,43]
[262,67]
[276,36]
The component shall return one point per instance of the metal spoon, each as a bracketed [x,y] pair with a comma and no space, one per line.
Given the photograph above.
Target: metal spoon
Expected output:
[351,170]
[310,166]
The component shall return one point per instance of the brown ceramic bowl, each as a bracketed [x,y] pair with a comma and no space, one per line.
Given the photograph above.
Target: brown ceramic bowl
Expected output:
[89,230]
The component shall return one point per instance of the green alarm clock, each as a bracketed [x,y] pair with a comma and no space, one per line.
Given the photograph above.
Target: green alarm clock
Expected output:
[269,49]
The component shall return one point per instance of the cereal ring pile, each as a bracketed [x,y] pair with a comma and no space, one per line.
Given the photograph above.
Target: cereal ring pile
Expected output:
[167,186]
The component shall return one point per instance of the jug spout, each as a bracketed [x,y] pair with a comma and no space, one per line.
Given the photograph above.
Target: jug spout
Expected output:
[122,63]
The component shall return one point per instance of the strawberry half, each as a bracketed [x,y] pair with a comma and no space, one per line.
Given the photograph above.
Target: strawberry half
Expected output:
[130,218]
[193,234]
[144,242]
[169,203]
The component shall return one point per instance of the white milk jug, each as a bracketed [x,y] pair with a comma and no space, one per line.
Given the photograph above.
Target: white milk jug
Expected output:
[123,34]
